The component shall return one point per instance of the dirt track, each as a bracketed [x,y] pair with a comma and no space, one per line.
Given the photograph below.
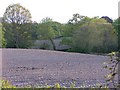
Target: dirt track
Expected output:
[36,67]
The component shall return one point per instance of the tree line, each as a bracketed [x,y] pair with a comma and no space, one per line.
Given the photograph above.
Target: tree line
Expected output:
[81,33]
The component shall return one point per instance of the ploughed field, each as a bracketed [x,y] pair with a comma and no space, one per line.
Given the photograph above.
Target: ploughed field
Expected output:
[39,67]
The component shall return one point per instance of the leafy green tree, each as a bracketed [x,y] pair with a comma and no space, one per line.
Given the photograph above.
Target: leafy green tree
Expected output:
[45,31]
[33,30]
[16,25]
[46,20]
[68,30]
[0,35]
[49,30]
[2,39]
[116,25]
[96,35]
[71,27]
[74,24]
[58,28]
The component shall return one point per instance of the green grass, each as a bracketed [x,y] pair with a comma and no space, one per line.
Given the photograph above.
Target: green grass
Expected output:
[7,86]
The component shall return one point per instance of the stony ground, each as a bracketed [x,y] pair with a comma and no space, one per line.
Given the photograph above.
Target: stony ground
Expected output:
[38,67]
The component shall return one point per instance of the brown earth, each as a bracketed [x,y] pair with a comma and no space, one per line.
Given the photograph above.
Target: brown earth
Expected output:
[37,67]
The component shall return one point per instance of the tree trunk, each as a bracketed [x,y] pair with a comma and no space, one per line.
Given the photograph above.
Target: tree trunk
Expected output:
[53,44]
[16,37]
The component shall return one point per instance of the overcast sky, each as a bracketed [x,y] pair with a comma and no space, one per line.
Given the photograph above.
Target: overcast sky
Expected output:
[62,10]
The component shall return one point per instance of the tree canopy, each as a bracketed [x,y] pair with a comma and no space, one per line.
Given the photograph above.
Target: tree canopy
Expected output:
[91,35]
[81,33]
[16,20]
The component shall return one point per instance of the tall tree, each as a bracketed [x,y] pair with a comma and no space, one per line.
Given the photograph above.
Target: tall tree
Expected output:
[96,35]
[46,31]
[16,20]
[49,30]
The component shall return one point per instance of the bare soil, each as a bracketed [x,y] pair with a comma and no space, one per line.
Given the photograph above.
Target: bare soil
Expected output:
[38,67]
